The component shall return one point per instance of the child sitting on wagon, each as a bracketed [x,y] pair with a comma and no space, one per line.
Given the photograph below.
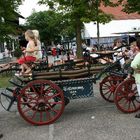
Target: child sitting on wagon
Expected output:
[29,53]
[38,51]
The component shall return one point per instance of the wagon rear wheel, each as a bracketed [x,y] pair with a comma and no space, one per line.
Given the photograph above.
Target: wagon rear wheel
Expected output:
[41,102]
[108,86]
[126,97]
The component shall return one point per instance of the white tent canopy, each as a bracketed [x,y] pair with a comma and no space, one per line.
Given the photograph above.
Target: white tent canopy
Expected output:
[109,29]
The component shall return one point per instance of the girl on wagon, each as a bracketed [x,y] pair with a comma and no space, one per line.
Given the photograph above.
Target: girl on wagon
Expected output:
[29,52]
[38,51]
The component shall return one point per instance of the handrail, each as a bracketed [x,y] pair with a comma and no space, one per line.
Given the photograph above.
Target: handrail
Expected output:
[107,69]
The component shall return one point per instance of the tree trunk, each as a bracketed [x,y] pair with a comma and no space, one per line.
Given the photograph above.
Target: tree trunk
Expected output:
[78,39]
[98,35]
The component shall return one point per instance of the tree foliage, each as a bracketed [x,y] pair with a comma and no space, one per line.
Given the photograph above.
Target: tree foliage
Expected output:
[50,24]
[85,10]
[132,6]
[8,16]
[79,11]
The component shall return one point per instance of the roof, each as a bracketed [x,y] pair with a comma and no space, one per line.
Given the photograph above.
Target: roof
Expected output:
[113,28]
[118,13]
[18,15]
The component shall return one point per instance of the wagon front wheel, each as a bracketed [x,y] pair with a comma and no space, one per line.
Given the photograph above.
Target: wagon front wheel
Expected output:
[108,86]
[41,102]
[126,97]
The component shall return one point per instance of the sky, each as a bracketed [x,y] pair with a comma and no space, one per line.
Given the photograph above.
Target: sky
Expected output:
[28,6]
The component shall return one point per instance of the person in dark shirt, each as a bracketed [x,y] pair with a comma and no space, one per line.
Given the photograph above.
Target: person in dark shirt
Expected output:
[22,42]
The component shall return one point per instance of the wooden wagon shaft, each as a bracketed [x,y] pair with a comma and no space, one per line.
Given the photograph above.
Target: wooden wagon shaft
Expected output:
[67,74]
[9,66]
[97,68]
[57,77]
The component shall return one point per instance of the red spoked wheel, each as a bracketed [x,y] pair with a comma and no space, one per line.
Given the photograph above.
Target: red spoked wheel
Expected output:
[41,102]
[108,86]
[126,96]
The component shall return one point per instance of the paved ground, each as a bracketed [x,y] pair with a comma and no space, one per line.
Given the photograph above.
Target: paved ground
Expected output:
[83,119]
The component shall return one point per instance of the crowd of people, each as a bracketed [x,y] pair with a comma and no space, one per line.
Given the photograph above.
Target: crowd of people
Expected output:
[33,51]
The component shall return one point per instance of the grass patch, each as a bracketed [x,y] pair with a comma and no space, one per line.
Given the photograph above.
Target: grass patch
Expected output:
[4,81]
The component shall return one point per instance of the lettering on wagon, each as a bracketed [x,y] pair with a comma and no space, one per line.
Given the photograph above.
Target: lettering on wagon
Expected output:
[73,88]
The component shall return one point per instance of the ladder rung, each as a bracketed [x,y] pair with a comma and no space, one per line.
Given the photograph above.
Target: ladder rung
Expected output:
[15,84]
[9,89]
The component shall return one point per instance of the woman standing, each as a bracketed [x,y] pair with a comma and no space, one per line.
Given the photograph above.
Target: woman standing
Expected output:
[135,64]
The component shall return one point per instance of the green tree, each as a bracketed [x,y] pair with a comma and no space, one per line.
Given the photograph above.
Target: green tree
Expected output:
[79,11]
[50,25]
[132,6]
[8,17]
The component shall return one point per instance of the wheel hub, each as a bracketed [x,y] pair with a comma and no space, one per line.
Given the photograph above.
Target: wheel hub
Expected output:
[112,88]
[41,106]
[131,96]
[41,100]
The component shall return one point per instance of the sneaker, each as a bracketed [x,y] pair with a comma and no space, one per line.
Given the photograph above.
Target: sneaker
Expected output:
[17,74]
